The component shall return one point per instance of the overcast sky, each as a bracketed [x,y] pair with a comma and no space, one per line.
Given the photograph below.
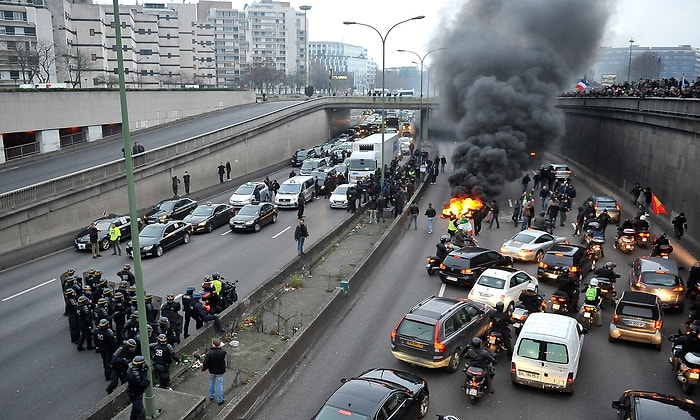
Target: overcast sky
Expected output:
[656,23]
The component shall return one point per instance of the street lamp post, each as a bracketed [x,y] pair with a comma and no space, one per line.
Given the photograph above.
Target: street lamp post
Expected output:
[306,8]
[423,128]
[629,65]
[383,38]
[78,68]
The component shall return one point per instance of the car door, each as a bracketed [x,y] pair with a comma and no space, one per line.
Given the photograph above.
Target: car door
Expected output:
[221,215]
[396,407]
[545,242]
[169,237]
[266,214]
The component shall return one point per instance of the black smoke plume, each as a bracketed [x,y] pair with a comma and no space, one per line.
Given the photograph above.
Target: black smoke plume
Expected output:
[505,63]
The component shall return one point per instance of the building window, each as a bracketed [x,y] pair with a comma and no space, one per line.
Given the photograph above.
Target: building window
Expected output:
[142,31]
[14,74]
[94,57]
[92,32]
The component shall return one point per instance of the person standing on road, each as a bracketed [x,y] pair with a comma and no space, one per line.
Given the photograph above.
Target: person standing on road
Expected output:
[137,379]
[176,185]
[381,207]
[526,181]
[372,210]
[187,302]
[443,162]
[301,203]
[186,180]
[163,355]
[228,170]
[300,235]
[115,235]
[494,214]
[94,237]
[680,224]
[436,172]
[222,170]
[430,214]
[215,363]
[413,212]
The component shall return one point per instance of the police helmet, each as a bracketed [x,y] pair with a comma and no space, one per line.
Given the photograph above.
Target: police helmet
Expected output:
[531,287]
[207,278]
[148,297]
[118,296]
[91,271]
[135,315]
[103,281]
[82,299]
[123,284]
[594,282]
[131,289]
[170,297]
[444,238]
[102,301]
[127,267]
[69,292]
[139,360]
[131,343]
[98,273]
[189,290]
[149,328]
[163,320]
[215,275]
[476,343]
[87,288]
[106,292]
[611,265]
[70,280]
[70,271]
[162,338]
[499,306]
[103,323]
[133,299]
[196,296]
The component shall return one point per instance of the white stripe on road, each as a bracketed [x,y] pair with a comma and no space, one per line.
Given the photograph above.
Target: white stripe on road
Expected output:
[29,290]
[227,232]
[510,203]
[285,229]
[443,286]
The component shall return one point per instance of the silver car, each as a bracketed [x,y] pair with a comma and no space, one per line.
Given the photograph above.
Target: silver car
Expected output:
[530,245]
[245,194]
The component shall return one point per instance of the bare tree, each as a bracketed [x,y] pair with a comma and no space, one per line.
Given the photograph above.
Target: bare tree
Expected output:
[76,62]
[28,60]
[46,61]
[109,80]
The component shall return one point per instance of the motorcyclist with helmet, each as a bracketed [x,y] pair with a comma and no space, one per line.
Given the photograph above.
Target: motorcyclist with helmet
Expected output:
[693,279]
[216,282]
[627,224]
[607,271]
[640,223]
[658,242]
[569,284]
[479,357]
[593,296]
[689,343]
[443,247]
[530,299]
[500,323]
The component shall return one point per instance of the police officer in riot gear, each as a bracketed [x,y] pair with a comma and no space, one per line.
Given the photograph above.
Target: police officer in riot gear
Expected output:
[165,328]
[137,378]
[120,363]
[126,275]
[117,312]
[187,307]
[170,309]
[131,327]
[202,314]
[105,345]
[72,311]
[101,311]
[163,355]
[85,323]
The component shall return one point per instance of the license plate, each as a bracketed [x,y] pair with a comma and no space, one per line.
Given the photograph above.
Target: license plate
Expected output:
[556,306]
[472,391]
[450,278]
[635,324]
[415,344]
[81,246]
[492,341]
[694,375]
[529,375]
[586,314]
[516,325]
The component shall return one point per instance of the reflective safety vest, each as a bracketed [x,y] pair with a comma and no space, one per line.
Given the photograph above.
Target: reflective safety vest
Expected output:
[114,233]
[451,225]
[591,293]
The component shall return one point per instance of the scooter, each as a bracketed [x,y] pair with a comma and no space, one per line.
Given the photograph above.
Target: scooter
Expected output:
[625,241]
[607,290]
[662,251]
[595,245]
[560,302]
[520,314]
[496,345]
[433,265]
[688,370]
[589,315]
[475,382]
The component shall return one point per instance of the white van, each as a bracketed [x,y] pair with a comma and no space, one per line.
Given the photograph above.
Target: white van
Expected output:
[288,194]
[547,352]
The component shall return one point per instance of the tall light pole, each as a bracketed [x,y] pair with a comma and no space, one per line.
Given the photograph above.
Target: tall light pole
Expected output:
[629,66]
[306,8]
[423,128]
[383,38]
[78,64]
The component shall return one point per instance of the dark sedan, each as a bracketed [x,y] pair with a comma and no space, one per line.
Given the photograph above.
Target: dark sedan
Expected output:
[176,208]
[156,238]
[82,239]
[378,394]
[253,217]
[207,217]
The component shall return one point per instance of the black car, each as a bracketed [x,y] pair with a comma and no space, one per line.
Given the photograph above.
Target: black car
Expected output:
[436,332]
[207,217]
[302,154]
[81,241]
[176,208]
[576,258]
[464,265]
[640,405]
[253,217]
[156,238]
[378,394]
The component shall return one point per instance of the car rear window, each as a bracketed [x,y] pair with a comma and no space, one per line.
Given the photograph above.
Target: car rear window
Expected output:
[543,350]
[457,262]
[562,260]
[659,279]
[489,281]
[638,311]
[523,237]
[416,329]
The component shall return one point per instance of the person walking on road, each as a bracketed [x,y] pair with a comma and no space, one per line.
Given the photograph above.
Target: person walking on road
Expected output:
[430,214]
[413,212]
[495,210]
[443,162]
[680,224]
[222,170]
[300,235]
[301,203]
[215,363]
[115,235]
[137,379]
[186,180]
[228,170]
[176,185]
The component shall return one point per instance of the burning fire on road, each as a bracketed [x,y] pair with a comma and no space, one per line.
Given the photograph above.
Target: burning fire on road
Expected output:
[461,206]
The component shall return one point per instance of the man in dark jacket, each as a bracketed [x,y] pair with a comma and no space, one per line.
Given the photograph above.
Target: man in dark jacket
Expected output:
[137,377]
[215,363]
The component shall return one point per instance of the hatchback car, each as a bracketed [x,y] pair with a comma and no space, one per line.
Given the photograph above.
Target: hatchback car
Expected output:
[245,194]
[637,317]
[378,394]
[81,242]
[561,170]
[436,332]
[604,202]
[464,265]
[501,285]
[530,245]
[253,217]
[642,405]
[310,164]
[339,196]
[156,238]
[577,259]
[176,208]
[207,217]
[658,276]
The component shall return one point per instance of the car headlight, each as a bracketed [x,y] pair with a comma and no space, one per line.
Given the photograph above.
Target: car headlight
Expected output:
[250,222]
[147,247]
[204,223]
[163,218]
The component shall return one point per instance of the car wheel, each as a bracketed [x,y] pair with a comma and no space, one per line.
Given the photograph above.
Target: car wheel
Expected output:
[257,227]
[210,227]
[104,245]
[539,256]
[612,340]
[159,251]
[424,402]
[186,238]
[274,218]
[454,361]
[509,310]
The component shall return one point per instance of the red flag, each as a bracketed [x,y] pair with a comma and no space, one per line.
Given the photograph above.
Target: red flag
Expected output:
[657,206]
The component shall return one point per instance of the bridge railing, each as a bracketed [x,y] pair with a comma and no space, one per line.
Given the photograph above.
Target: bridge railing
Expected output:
[669,106]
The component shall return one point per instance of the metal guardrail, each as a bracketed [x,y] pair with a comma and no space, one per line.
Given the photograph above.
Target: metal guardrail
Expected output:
[15,152]
[688,108]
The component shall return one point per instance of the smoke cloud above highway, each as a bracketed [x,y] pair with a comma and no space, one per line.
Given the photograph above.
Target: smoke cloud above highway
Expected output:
[505,63]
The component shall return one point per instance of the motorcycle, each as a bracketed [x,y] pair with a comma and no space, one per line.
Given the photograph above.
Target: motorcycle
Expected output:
[607,290]
[520,314]
[433,265]
[475,383]
[496,345]
[625,241]
[589,315]
[688,370]
[560,302]
[590,230]
[595,246]
[643,237]
[662,251]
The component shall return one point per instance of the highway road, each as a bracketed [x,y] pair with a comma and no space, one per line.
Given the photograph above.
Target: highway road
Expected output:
[360,339]
[14,175]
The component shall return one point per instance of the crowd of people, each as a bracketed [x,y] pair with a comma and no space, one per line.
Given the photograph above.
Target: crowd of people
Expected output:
[644,88]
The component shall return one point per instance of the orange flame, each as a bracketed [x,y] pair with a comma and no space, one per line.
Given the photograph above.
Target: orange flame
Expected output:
[461,206]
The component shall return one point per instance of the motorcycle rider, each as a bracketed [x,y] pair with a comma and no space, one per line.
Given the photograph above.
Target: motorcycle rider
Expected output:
[640,223]
[443,247]
[693,278]
[568,284]
[530,299]
[479,357]
[627,224]
[607,271]
[688,343]
[500,323]
[593,297]
[460,238]
[658,242]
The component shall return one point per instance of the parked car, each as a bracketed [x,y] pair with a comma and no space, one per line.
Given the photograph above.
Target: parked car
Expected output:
[576,258]
[464,265]
[638,317]
[530,245]
[658,276]
[245,194]
[81,242]
[378,394]
[299,156]
[436,332]
[501,285]
[253,217]
[176,208]
[207,217]
[339,196]
[643,405]
[154,239]
[604,202]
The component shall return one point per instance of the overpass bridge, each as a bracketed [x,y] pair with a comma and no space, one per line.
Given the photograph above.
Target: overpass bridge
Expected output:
[624,140]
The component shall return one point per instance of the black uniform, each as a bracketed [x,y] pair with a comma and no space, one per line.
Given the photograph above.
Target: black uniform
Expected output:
[500,322]
[202,316]
[481,358]
[138,382]
[187,302]
[105,345]
[128,276]
[130,329]
[569,285]
[171,311]
[73,323]
[85,324]
[162,356]
[119,365]
[531,301]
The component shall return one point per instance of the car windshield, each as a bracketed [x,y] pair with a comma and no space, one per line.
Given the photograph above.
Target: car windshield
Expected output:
[362,165]
[489,281]
[659,279]
[417,330]
[309,165]
[301,154]
[244,190]
[289,188]
[523,237]
[103,225]
[341,190]
[203,211]
[328,412]
[248,211]
[606,205]
[151,231]
[165,205]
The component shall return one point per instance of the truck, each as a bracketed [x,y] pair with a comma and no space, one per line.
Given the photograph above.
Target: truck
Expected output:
[366,155]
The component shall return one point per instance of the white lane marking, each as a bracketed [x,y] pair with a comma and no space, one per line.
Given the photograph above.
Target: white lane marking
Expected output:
[510,203]
[227,232]
[442,289]
[284,230]
[29,290]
